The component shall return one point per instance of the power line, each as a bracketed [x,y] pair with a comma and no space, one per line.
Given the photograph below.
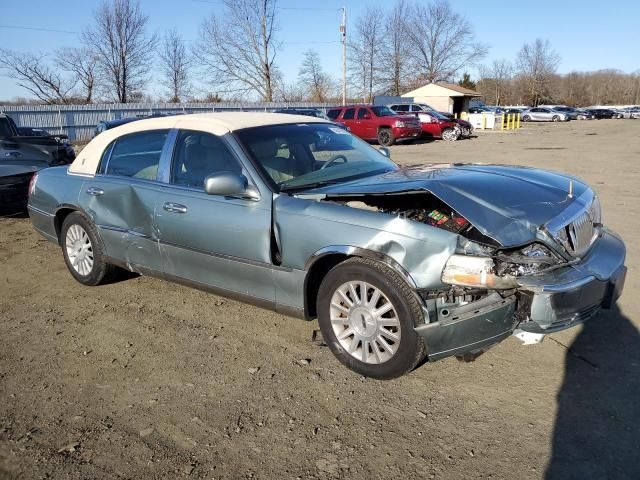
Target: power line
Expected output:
[40,29]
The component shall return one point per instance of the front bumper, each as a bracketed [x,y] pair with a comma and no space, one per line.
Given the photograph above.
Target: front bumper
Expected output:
[542,304]
[569,296]
[406,132]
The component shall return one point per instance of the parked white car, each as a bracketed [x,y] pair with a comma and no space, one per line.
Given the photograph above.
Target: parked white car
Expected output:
[543,114]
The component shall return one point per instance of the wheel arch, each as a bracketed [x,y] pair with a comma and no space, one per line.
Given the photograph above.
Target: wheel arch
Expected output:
[62,212]
[322,261]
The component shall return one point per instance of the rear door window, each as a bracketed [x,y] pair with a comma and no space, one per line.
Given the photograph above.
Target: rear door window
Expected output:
[349,114]
[362,113]
[137,155]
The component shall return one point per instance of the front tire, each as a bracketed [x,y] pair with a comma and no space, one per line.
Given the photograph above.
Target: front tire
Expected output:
[385,137]
[449,135]
[83,252]
[555,118]
[526,118]
[367,314]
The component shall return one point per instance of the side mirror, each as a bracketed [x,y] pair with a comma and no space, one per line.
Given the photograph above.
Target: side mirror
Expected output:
[385,151]
[230,184]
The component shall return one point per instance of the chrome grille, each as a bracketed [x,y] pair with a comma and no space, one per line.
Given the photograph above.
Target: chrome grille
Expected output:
[578,235]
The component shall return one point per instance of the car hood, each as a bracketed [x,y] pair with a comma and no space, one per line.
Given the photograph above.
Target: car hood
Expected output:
[505,203]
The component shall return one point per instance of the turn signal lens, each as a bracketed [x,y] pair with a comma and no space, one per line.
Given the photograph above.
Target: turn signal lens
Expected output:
[469,271]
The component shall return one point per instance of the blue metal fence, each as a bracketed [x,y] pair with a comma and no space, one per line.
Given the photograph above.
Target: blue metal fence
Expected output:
[79,121]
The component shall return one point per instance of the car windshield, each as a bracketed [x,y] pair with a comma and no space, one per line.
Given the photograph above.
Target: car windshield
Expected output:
[383,111]
[300,156]
[438,115]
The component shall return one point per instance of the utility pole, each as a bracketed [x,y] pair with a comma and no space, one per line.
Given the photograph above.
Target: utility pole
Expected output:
[343,31]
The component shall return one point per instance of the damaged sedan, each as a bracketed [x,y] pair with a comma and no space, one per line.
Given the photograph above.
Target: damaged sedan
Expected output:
[398,264]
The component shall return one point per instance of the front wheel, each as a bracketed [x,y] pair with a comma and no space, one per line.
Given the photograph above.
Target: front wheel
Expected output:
[555,118]
[385,137]
[83,252]
[449,134]
[367,314]
[526,118]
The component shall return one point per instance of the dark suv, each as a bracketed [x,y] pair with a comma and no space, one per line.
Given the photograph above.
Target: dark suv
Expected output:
[376,123]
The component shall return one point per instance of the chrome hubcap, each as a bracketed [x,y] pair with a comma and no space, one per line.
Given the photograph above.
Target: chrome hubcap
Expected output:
[79,250]
[365,322]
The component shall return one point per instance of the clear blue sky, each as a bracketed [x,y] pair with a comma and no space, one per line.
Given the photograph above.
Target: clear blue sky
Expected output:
[587,34]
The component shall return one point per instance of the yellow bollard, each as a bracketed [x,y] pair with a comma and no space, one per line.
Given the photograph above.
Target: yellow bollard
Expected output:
[510,124]
[502,122]
[483,123]
[518,120]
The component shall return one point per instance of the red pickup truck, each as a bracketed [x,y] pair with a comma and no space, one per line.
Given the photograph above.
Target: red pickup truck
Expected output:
[377,123]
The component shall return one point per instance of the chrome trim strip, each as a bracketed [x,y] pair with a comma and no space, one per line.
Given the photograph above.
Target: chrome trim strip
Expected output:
[572,212]
[112,228]
[232,258]
[350,250]
[41,212]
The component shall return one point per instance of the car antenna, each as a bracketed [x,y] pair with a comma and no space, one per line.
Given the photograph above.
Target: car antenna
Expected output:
[570,189]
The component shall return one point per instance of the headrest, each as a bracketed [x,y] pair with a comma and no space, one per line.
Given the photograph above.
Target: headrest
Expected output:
[267,148]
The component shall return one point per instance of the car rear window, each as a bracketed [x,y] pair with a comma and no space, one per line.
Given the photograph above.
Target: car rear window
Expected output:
[137,155]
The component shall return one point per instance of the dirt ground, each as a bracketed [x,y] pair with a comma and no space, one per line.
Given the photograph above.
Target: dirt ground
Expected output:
[146,379]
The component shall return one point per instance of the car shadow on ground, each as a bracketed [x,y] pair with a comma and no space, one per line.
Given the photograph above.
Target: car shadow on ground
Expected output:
[597,427]
[13,212]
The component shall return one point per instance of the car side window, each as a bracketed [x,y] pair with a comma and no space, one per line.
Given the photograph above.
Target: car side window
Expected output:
[416,108]
[402,108]
[362,113]
[137,155]
[333,114]
[197,155]
[349,114]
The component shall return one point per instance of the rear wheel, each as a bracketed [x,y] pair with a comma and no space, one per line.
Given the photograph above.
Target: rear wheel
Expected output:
[526,118]
[385,137]
[82,251]
[367,314]
[555,118]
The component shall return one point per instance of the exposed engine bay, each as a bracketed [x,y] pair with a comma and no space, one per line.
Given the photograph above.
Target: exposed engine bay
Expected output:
[420,207]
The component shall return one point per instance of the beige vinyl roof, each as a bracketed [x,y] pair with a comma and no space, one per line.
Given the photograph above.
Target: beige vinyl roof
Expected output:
[216,123]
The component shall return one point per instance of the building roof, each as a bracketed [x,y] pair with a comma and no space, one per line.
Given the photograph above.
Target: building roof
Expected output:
[442,89]
[216,123]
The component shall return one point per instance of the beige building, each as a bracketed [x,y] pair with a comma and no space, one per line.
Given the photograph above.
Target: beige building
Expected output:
[444,97]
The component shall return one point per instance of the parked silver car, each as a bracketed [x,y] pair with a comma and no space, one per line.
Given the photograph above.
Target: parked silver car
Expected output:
[543,114]
[295,214]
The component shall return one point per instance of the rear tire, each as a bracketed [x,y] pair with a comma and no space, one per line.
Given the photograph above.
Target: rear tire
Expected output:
[377,345]
[526,118]
[83,253]
[555,118]
[385,137]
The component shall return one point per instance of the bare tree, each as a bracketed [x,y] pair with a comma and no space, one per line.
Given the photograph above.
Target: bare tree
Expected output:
[238,47]
[83,64]
[365,49]
[123,48]
[316,82]
[31,72]
[496,78]
[537,63]
[176,65]
[442,42]
[396,48]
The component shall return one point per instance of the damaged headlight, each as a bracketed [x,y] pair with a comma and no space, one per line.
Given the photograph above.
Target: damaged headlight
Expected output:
[532,259]
[480,272]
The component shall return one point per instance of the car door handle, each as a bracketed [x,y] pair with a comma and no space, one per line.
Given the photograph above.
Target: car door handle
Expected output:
[94,191]
[174,207]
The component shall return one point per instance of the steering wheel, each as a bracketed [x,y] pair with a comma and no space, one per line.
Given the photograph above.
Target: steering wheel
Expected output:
[334,159]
